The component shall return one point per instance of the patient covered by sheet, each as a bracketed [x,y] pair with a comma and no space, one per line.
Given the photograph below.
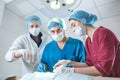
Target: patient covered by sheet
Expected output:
[54,76]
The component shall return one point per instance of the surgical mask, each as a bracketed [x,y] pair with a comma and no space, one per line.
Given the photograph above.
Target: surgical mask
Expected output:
[80,31]
[58,37]
[34,31]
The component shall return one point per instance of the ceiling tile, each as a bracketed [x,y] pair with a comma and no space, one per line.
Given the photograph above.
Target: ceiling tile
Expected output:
[86,5]
[7,1]
[94,11]
[52,13]
[110,9]
[103,2]
[36,3]
[20,7]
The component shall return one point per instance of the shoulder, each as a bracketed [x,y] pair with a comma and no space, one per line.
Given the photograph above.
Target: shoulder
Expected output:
[74,40]
[50,44]
[22,37]
[103,31]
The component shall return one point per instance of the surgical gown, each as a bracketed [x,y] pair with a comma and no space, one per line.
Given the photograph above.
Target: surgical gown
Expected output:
[103,52]
[26,42]
[73,50]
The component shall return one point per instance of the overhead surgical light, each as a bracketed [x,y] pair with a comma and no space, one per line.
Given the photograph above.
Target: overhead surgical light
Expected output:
[58,4]
[69,1]
[55,4]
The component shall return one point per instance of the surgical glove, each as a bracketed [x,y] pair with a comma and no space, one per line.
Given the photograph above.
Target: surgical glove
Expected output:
[61,69]
[62,62]
[41,67]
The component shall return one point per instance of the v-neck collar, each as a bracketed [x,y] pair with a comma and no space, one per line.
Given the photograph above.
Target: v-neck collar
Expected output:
[93,36]
[39,40]
[63,46]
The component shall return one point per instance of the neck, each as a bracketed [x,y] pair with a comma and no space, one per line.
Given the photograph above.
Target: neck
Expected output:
[90,31]
[36,38]
[62,43]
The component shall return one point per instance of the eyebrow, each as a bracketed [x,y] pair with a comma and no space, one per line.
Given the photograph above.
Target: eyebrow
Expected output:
[72,24]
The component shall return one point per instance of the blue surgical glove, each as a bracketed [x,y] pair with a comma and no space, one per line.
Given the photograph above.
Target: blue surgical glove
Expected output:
[41,67]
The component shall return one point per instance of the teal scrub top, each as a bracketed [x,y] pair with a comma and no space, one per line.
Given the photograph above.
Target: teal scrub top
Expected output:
[73,50]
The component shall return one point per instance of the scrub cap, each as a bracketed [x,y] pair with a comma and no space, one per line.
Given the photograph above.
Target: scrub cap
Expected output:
[83,17]
[32,19]
[56,22]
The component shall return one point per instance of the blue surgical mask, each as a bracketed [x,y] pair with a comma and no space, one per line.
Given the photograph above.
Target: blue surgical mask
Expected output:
[34,31]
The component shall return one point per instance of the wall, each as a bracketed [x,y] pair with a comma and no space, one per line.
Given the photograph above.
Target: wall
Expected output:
[2,4]
[111,23]
[11,27]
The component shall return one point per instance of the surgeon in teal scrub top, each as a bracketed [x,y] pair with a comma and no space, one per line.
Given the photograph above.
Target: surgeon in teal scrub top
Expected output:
[61,48]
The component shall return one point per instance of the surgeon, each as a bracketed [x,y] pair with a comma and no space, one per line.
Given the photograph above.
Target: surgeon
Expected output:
[102,46]
[29,46]
[61,48]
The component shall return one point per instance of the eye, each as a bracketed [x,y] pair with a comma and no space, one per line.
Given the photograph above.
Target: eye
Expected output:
[73,25]
[36,26]
[58,30]
[31,26]
[52,32]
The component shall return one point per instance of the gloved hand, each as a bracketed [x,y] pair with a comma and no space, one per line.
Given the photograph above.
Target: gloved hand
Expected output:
[41,67]
[61,62]
[26,54]
[61,69]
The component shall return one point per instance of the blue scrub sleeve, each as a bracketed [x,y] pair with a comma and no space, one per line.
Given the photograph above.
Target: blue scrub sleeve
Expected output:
[82,53]
[41,67]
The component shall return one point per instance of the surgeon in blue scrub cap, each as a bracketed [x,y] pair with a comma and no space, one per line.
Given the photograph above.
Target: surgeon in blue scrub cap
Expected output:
[29,46]
[61,47]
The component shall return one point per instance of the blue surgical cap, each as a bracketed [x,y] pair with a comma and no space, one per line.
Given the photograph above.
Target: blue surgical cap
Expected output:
[56,22]
[32,19]
[83,17]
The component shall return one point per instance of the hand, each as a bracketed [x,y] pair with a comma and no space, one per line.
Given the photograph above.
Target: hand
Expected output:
[61,62]
[61,69]
[41,67]
[26,54]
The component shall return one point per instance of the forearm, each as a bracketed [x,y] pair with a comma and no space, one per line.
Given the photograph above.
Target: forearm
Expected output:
[16,54]
[88,71]
[78,64]
[10,56]
[13,54]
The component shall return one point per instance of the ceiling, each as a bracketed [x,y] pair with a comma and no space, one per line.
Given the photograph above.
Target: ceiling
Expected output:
[102,8]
